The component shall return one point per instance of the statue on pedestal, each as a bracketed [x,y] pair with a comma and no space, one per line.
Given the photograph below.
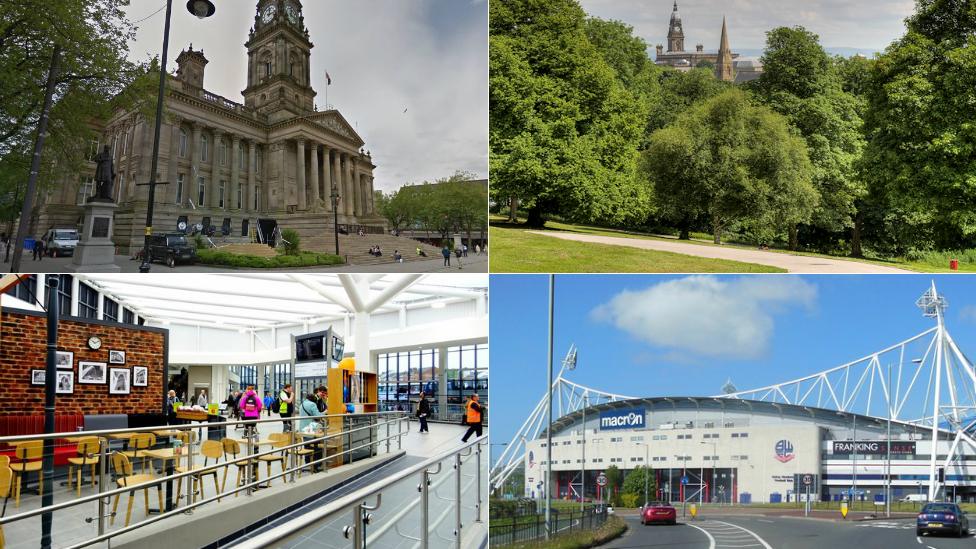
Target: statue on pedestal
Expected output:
[104,176]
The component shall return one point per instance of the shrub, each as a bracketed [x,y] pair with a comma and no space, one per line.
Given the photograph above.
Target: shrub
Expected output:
[307,259]
[198,242]
[292,241]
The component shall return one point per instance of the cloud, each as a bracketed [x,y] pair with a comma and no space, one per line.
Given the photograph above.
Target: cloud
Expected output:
[706,315]
[968,313]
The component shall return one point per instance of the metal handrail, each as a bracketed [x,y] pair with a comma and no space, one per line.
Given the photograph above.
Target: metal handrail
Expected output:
[178,476]
[352,500]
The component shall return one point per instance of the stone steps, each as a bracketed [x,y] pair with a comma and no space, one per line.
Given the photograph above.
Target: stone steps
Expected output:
[260,250]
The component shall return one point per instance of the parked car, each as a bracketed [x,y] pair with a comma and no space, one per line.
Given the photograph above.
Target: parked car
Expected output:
[658,511]
[915,498]
[60,242]
[171,249]
[942,517]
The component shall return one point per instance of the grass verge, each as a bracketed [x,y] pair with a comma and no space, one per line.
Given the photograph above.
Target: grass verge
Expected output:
[613,528]
[513,250]
[305,259]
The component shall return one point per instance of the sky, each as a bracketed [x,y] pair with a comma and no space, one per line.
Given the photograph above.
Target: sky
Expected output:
[865,26]
[410,75]
[655,335]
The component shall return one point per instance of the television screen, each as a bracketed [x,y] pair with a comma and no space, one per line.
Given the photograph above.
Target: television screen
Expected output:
[310,348]
[338,346]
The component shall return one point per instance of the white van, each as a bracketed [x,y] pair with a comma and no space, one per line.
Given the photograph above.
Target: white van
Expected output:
[61,242]
[915,498]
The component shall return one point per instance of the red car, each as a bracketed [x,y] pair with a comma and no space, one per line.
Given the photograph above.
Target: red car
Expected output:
[658,511]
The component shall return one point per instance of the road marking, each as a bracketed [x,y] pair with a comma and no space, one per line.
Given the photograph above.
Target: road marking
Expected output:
[769,521]
[711,540]
[755,535]
[919,540]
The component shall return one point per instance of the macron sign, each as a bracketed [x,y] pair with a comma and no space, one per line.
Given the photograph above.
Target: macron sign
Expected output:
[630,418]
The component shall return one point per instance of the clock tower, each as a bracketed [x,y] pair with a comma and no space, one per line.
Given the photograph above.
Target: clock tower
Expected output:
[279,67]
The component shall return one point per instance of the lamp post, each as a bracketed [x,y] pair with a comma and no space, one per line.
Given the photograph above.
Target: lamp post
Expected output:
[713,460]
[583,462]
[335,215]
[201,9]
[548,502]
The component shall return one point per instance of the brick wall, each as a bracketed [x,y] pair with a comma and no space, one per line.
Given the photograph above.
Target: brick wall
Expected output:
[23,347]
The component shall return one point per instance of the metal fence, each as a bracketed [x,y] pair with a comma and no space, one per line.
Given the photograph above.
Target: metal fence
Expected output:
[506,531]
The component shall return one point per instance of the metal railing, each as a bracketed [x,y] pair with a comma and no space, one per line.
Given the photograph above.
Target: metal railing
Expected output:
[506,531]
[419,518]
[396,426]
[449,413]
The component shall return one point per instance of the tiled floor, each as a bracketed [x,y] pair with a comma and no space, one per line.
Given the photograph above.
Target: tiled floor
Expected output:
[71,526]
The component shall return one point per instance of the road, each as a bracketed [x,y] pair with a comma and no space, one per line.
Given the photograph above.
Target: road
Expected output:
[792,263]
[717,531]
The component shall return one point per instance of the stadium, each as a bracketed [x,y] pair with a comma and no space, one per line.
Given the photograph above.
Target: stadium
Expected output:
[903,414]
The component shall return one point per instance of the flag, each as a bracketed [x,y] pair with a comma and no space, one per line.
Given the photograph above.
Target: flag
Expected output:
[328,79]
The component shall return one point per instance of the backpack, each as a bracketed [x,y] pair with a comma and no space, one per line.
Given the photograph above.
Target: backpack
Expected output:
[251,403]
[276,405]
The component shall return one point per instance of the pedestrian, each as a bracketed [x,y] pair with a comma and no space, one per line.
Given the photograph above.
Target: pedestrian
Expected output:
[171,405]
[268,401]
[287,407]
[322,394]
[458,253]
[231,403]
[423,410]
[446,252]
[310,409]
[397,258]
[465,248]
[477,249]
[38,250]
[250,407]
[202,398]
[472,417]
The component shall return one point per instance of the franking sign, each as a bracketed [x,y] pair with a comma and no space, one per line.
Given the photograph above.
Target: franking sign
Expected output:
[873,447]
[629,418]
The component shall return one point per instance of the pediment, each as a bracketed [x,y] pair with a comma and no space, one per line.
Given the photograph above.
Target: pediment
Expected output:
[336,123]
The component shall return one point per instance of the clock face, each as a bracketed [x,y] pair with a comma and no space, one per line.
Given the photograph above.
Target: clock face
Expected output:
[269,13]
[94,342]
[292,13]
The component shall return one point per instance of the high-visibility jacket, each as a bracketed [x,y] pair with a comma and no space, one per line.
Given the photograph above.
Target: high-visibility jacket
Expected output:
[473,412]
[283,409]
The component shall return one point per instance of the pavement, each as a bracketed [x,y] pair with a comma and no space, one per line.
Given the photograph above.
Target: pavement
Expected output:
[792,263]
[719,530]
[473,263]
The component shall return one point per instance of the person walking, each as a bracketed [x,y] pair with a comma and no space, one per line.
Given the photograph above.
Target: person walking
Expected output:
[231,403]
[202,399]
[287,407]
[472,417]
[268,402]
[171,401]
[250,407]
[458,253]
[38,250]
[423,410]
[446,252]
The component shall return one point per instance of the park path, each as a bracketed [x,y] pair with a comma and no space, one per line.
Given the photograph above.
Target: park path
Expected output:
[793,263]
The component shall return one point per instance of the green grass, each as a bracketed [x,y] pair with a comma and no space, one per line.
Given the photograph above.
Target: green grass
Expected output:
[305,259]
[613,528]
[513,250]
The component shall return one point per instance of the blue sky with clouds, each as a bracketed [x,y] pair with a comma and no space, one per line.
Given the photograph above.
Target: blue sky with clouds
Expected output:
[650,335]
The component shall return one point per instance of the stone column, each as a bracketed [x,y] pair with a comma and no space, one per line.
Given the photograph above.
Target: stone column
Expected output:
[327,177]
[316,197]
[215,172]
[174,163]
[194,174]
[130,144]
[235,172]
[337,180]
[356,191]
[372,195]
[350,190]
[300,173]
[252,169]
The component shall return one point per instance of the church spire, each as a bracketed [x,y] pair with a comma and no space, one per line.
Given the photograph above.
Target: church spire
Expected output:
[676,36]
[723,65]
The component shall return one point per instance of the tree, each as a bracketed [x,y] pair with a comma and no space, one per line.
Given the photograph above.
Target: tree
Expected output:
[613,483]
[634,484]
[921,144]
[800,81]
[731,161]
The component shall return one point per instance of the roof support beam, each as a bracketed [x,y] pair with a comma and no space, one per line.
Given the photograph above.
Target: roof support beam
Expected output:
[327,293]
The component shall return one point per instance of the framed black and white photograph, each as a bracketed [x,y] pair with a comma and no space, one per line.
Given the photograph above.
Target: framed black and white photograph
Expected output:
[65,360]
[116,357]
[92,373]
[65,384]
[119,381]
[38,377]
[140,376]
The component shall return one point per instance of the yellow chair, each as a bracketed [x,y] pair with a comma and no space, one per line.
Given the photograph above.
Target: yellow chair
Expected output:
[138,444]
[6,474]
[232,449]
[126,479]
[88,448]
[301,452]
[29,453]
[187,437]
[279,440]
[209,449]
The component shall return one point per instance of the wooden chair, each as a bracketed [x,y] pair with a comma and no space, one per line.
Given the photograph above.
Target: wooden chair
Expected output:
[300,453]
[138,444]
[280,440]
[88,448]
[6,475]
[29,453]
[232,449]
[126,479]
[211,449]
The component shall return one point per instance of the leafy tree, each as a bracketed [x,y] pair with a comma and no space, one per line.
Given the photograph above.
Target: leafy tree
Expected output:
[731,161]
[921,143]
[634,484]
[613,483]
[680,90]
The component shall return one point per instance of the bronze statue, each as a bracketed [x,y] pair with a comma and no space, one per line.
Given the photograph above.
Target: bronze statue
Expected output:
[104,176]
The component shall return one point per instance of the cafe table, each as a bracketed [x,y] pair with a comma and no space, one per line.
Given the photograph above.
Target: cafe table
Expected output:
[169,456]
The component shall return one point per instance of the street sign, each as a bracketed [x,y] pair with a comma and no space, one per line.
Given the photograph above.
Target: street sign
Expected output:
[684,479]
[807,480]
[601,480]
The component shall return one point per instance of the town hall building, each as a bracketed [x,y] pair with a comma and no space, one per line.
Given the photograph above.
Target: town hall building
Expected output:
[246,169]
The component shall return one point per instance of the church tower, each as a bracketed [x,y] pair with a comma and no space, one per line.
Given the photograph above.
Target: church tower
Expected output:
[279,66]
[676,36]
[723,65]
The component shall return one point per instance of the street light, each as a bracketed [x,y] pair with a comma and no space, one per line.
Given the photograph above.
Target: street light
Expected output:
[335,215]
[201,9]
[548,479]
[712,459]
[647,459]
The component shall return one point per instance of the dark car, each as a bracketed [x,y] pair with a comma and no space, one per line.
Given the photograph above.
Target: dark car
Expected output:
[171,249]
[942,517]
[658,511]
